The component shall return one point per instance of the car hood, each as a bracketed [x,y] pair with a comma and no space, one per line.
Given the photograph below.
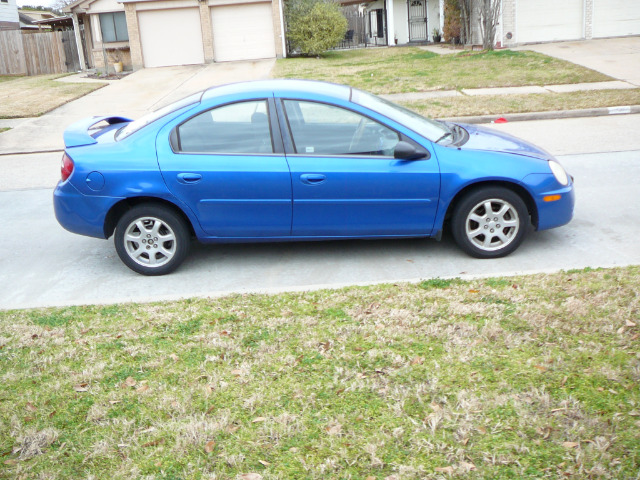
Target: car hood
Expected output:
[481,138]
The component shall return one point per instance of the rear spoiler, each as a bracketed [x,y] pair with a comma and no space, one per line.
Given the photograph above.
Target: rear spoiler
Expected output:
[77,134]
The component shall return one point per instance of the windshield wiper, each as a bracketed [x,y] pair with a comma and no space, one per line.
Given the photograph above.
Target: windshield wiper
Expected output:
[448,134]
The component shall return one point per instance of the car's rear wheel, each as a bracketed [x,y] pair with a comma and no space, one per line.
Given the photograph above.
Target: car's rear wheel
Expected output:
[490,222]
[151,239]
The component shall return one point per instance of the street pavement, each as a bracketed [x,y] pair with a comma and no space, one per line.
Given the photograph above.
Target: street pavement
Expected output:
[43,265]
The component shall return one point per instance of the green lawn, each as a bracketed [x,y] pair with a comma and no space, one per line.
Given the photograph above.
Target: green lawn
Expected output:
[501,378]
[410,69]
[33,96]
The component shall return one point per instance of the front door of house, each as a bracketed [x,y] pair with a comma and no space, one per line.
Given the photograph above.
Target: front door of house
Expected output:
[417,20]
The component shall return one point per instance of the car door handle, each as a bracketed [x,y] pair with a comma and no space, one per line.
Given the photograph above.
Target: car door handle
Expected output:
[188,178]
[312,178]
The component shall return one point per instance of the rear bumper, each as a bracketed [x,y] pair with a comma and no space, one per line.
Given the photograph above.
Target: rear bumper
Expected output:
[81,214]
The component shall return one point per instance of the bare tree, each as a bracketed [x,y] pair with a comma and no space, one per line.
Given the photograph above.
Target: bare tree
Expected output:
[465,20]
[58,5]
[489,13]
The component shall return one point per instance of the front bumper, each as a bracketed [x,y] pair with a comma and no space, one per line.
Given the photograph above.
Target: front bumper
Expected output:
[555,213]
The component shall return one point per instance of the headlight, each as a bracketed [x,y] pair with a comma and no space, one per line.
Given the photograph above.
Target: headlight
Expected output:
[559,173]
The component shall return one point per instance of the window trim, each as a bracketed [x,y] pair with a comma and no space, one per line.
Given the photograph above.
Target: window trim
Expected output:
[291,141]
[274,130]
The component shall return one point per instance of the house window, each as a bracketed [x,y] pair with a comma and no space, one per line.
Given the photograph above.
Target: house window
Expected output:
[114,27]
[4,1]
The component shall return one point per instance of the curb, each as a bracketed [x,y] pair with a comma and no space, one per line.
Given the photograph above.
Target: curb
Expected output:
[56,150]
[552,115]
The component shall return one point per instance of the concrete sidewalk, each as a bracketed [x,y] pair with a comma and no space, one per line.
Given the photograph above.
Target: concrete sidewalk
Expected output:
[529,89]
[49,134]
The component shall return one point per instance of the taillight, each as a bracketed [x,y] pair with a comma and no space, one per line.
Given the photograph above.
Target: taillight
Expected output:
[66,168]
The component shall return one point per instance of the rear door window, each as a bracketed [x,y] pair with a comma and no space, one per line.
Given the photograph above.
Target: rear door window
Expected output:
[240,128]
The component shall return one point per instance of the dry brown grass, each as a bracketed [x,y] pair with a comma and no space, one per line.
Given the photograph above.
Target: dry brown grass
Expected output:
[524,377]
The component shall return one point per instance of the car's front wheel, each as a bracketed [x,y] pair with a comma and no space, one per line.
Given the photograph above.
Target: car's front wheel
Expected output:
[151,239]
[490,222]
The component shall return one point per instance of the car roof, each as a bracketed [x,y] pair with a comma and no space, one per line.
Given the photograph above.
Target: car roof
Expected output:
[306,87]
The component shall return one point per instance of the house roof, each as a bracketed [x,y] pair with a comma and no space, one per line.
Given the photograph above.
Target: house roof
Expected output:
[65,21]
[26,22]
[69,8]
[37,14]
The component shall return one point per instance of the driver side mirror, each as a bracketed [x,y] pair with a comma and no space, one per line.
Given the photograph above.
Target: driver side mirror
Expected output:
[408,151]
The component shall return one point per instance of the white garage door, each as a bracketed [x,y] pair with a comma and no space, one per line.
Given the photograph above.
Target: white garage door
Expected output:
[243,32]
[549,20]
[616,18]
[171,37]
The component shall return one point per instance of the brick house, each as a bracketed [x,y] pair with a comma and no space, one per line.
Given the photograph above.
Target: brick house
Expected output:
[155,33]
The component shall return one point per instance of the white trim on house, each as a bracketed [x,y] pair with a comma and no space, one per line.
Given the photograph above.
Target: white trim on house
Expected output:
[391,26]
[9,12]
[282,36]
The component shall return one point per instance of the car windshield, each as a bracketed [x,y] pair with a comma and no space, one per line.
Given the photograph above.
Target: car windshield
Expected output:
[150,117]
[428,128]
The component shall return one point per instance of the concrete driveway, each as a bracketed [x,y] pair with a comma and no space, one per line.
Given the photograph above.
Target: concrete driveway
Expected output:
[617,57]
[133,96]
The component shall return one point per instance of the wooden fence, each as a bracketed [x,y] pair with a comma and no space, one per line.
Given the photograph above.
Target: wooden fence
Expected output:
[38,53]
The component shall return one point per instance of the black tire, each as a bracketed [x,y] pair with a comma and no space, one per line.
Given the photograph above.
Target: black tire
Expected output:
[151,239]
[490,236]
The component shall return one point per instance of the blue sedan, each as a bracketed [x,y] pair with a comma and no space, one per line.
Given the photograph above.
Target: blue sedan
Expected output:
[293,160]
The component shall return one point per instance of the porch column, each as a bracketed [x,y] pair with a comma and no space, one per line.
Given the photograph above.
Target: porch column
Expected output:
[135,44]
[391,30]
[441,8]
[76,30]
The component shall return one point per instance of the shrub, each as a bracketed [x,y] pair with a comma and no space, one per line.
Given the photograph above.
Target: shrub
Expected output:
[452,27]
[313,26]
